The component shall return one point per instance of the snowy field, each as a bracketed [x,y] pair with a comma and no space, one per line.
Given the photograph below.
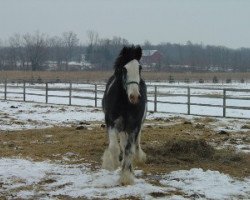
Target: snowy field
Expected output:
[80,181]
[20,178]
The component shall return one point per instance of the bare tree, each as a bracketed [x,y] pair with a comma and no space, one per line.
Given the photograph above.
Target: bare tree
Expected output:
[93,40]
[1,55]
[102,54]
[70,42]
[57,50]
[16,48]
[147,45]
[36,46]
[93,37]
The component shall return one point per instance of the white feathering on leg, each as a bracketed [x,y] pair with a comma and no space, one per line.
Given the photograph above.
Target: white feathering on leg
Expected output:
[111,154]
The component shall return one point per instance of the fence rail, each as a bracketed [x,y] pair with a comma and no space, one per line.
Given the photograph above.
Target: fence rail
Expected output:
[185,99]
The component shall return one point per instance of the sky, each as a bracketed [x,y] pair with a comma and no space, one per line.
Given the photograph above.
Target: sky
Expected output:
[210,22]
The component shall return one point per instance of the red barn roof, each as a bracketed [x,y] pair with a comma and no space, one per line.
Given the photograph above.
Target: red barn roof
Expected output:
[151,58]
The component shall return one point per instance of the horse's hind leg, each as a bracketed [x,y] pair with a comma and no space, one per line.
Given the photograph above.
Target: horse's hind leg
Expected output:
[123,142]
[140,155]
[111,154]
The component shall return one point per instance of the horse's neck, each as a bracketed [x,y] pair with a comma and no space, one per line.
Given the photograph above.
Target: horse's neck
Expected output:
[113,83]
[116,88]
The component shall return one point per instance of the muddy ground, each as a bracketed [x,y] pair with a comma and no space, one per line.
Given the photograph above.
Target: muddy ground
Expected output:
[170,144]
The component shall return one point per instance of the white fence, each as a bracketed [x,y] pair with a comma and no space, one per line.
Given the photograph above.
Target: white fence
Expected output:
[190,100]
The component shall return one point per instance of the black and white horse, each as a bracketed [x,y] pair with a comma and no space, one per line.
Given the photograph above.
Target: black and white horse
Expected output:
[124,105]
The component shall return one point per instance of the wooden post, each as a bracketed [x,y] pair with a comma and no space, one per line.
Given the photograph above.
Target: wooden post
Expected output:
[95,95]
[224,102]
[24,91]
[188,100]
[155,100]
[5,90]
[46,92]
[70,93]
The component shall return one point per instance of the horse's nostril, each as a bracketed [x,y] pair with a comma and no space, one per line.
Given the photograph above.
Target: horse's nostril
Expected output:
[132,97]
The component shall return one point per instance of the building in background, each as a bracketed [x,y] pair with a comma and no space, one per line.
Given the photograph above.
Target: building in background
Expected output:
[151,59]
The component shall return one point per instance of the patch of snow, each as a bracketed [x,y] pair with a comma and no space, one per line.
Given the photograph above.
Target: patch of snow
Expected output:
[24,115]
[71,180]
[208,184]
[22,171]
[21,179]
[243,148]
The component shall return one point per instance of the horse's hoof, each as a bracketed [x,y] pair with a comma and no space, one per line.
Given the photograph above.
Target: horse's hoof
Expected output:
[126,178]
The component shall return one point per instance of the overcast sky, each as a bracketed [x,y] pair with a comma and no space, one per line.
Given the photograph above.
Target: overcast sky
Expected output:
[215,22]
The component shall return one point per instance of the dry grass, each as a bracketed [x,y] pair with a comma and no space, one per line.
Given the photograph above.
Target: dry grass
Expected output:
[56,75]
[168,148]
[184,146]
[103,75]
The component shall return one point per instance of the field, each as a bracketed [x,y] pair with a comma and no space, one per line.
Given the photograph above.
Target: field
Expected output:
[54,152]
[103,76]
[168,146]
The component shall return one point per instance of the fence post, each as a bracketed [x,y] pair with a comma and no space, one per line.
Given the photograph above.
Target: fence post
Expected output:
[24,91]
[155,100]
[46,92]
[224,102]
[95,95]
[70,93]
[188,101]
[5,90]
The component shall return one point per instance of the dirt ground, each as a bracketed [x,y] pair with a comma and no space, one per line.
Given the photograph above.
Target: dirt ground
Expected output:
[170,144]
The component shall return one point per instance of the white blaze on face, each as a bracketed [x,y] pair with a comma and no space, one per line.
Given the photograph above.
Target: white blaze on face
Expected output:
[133,76]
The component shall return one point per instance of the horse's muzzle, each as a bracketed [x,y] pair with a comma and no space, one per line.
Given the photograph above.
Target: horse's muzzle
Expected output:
[134,99]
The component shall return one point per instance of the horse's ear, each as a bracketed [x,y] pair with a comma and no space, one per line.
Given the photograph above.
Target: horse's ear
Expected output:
[138,53]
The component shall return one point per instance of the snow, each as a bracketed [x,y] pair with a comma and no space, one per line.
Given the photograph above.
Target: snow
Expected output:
[23,115]
[207,184]
[72,180]
[80,181]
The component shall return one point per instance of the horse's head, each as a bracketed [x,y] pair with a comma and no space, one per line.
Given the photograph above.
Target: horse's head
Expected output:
[128,68]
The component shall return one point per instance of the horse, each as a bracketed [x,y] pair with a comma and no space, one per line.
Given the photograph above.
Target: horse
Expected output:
[125,106]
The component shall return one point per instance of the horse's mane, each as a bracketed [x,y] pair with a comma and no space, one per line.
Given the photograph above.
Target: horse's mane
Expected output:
[127,54]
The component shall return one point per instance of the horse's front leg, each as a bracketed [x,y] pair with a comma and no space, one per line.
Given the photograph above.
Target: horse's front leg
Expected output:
[127,175]
[111,154]
[123,142]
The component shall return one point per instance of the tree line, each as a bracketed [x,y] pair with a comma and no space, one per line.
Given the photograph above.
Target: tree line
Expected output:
[38,51]
[206,57]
